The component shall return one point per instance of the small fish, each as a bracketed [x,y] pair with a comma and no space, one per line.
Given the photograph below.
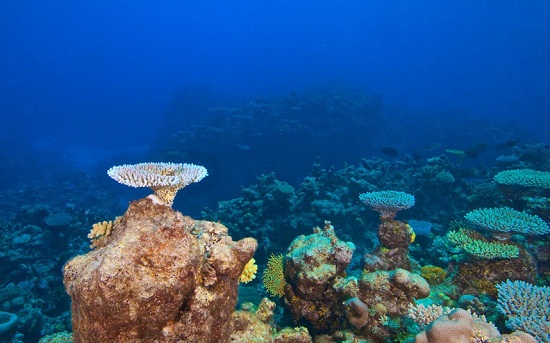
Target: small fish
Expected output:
[388,150]
[508,144]
[460,154]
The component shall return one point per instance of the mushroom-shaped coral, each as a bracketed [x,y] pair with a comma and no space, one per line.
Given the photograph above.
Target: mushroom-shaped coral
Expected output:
[165,179]
[388,203]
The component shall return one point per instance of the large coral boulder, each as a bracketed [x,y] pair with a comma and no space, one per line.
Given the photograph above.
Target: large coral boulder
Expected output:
[480,276]
[161,277]
[314,264]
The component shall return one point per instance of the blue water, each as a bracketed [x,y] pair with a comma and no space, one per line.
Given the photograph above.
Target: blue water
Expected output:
[88,85]
[89,82]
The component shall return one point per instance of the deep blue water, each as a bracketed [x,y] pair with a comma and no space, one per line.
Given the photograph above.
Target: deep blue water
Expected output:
[96,84]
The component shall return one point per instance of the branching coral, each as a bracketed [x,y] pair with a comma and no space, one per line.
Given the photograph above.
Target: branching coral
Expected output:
[100,232]
[527,308]
[165,179]
[482,249]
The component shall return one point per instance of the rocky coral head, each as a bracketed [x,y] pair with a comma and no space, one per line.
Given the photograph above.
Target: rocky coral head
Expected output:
[388,203]
[165,179]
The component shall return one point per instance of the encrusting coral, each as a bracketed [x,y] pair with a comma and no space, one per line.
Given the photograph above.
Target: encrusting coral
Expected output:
[255,325]
[313,264]
[165,179]
[161,277]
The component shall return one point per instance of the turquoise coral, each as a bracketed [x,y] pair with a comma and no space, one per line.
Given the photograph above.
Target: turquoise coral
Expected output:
[523,177]
[388,203]
[506,219]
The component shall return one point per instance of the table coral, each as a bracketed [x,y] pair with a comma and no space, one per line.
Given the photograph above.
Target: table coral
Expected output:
[165,179]
[388,203]
[161,276]
[524,178]
[506,219]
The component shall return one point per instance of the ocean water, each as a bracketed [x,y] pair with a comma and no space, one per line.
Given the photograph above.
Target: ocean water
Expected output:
[302,89]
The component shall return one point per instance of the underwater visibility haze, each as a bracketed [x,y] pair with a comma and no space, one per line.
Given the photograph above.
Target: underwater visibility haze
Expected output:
[289,171]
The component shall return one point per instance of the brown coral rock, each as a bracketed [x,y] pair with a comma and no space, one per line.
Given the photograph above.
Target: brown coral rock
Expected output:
[254,326]
[394,234]
[480,276]
[388,293]
[162,277]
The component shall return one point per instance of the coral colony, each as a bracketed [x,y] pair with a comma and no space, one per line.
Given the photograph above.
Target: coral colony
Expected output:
[155,275]
[372,253]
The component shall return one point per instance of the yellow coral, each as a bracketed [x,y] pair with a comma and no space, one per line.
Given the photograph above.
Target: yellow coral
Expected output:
[249,271]
[274,276]
[99,231]
[433,274]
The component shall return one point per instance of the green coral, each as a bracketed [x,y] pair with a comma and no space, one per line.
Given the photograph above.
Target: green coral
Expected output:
[506,219]
[59,337]
[274,276]
[524,177]
[482,249]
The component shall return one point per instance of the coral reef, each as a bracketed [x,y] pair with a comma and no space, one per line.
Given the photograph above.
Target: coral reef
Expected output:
[161,276]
